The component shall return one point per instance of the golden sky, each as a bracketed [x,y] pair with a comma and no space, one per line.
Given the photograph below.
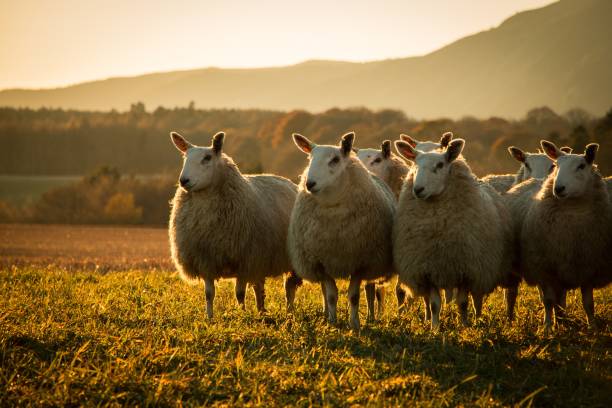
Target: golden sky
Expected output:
[60,42]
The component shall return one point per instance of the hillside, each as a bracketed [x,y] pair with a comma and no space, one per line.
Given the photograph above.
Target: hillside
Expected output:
[559,56]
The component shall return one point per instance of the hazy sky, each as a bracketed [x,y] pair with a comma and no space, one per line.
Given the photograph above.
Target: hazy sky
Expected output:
[60,42]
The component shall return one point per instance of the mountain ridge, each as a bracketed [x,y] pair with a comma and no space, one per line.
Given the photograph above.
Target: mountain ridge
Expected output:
[557,55]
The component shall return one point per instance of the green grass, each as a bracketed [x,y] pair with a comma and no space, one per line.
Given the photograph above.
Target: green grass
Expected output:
[142,338]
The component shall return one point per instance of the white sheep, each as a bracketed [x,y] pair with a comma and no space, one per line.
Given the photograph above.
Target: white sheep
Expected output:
[392,170]
[341,223]
[533,165]
[451,230]
[224,224]
[566,237]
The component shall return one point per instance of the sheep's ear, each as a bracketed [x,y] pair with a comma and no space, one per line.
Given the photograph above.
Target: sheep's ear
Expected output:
[445,139]
[409,139]
[589,152]
[303,143]
[385,148]
[551,150]
[217,142]
[454,149]
[517,153]
[180,142]
[346,144]
[566,149]
[405,149]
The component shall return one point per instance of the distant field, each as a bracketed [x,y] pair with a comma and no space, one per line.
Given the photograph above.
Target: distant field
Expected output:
[84,247]
[72,335]
[21,189]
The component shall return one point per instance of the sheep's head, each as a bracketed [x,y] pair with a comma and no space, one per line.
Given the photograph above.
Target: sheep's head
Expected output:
[199,163]
[327,162]
[537,165]
[432,168]
[428,146]
[573,171]
[376,161]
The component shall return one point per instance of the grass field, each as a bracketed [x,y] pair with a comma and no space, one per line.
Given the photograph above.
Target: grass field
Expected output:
[71,336]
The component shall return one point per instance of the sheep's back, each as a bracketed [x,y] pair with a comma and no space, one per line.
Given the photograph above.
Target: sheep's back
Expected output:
[343,240]
[238,234]
[568,244]
[453,241]
[500,182]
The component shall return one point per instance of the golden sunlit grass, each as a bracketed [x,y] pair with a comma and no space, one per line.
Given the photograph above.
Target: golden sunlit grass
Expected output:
[142,338]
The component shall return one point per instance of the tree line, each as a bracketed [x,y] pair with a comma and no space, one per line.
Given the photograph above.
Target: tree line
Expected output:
[108,147]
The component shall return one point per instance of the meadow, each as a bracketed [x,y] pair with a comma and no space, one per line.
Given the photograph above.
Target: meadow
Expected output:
[128,332]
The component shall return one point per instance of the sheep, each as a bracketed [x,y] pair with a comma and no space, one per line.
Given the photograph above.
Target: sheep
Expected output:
[536,165]
[389,167]
[451,231]
[392,170]
[566,237]
[341,223]
[224,224]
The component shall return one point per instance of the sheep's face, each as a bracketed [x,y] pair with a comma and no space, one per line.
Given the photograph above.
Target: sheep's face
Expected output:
[430,176]
[376,161]
[536,165]
[573,172]
[327,163]
[199,163]
[373,160]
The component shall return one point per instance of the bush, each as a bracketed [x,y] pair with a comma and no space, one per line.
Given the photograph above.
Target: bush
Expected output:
[120,209]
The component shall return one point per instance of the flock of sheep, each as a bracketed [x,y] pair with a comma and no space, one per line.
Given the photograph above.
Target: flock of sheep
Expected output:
[366,215]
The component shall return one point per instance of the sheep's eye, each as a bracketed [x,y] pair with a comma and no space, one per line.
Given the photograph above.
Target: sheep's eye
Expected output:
[527,166]
[439,165]
[206,158]
[581,166]
[334,161]
[552,167]
[377,160]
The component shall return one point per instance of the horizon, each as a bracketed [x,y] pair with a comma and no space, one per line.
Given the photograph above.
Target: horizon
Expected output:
[383,40]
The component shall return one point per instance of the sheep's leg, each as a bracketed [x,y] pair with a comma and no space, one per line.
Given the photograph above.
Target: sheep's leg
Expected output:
[462,303]
[331,296]
[353,294]
[292,282]
[477,299]
[588,304]
[380,298]
[561,296]
[427,309]
[400,293]
[435,305]
[550,299]
[370,289]
[325,305]
[448,296]
[209,291]
[260,295]
[511,294]
[240,292]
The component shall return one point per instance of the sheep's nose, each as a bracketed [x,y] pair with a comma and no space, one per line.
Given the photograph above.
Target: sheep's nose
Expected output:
[310,185]
[184,181]
[418,191]
[559,190]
